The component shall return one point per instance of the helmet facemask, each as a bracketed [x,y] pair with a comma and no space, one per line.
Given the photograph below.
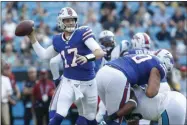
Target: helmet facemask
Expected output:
[109,43]
[69,27]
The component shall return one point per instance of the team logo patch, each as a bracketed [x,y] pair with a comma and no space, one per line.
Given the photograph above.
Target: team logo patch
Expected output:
[69,11]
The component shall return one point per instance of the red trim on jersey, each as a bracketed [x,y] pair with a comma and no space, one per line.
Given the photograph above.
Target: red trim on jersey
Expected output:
[87,36]
[87,32]
[64,37]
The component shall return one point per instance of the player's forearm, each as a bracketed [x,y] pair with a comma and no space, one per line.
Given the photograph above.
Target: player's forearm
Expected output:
[40,51]
[44,53]
[99,53]
[95,48]
[124,111]
[153,83]
[127,108]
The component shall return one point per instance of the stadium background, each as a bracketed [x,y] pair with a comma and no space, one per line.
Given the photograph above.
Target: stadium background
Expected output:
[165,22]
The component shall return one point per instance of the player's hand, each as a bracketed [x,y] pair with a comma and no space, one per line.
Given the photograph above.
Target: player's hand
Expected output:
[133,117]
[32,36]
[81,59]
[57,81]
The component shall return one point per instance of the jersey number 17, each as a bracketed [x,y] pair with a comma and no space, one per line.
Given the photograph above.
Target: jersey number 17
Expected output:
[73,63]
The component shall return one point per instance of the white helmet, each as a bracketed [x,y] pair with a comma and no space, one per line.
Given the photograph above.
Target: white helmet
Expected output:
[106,38]
[106,33]
[166,58]
[107,41]
[66,13]
[141,40]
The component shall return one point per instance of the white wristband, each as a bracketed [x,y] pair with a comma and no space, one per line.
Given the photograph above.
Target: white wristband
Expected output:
[131,100]
[90,57]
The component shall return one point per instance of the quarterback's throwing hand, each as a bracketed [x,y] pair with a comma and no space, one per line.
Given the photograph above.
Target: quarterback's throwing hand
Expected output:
[81,59]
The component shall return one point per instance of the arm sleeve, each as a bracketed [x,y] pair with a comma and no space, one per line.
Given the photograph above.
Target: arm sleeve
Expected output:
[92,44]
[44,53]
[54,66]
[87,33]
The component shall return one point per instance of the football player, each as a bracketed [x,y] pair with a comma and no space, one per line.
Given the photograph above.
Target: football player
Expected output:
[78,49]
[141,44]
[108,43]
[166,108]
[130,70]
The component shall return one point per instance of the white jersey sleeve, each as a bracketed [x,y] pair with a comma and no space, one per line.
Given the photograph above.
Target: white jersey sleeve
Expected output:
[44,53]
[120,49]
[115,52]
[146,104]
[92,44]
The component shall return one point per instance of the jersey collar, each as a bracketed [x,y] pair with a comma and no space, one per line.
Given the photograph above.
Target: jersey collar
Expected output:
[64,39]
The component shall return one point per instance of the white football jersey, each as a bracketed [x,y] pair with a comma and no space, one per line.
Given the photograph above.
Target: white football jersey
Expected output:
[124,46]
[150,108]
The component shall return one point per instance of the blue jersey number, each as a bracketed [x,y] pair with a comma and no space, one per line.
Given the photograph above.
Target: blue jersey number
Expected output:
[73,63]
[141,58]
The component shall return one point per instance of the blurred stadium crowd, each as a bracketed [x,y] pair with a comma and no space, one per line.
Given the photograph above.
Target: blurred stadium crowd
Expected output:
[165,22]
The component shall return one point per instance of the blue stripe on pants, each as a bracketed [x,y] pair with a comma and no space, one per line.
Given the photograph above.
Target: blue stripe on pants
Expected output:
[165,119]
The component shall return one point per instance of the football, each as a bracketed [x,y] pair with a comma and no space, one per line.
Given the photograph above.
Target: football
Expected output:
[24,28]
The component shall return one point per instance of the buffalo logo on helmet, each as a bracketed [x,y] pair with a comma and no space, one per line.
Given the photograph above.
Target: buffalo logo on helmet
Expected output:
[69,11]
[146,39]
